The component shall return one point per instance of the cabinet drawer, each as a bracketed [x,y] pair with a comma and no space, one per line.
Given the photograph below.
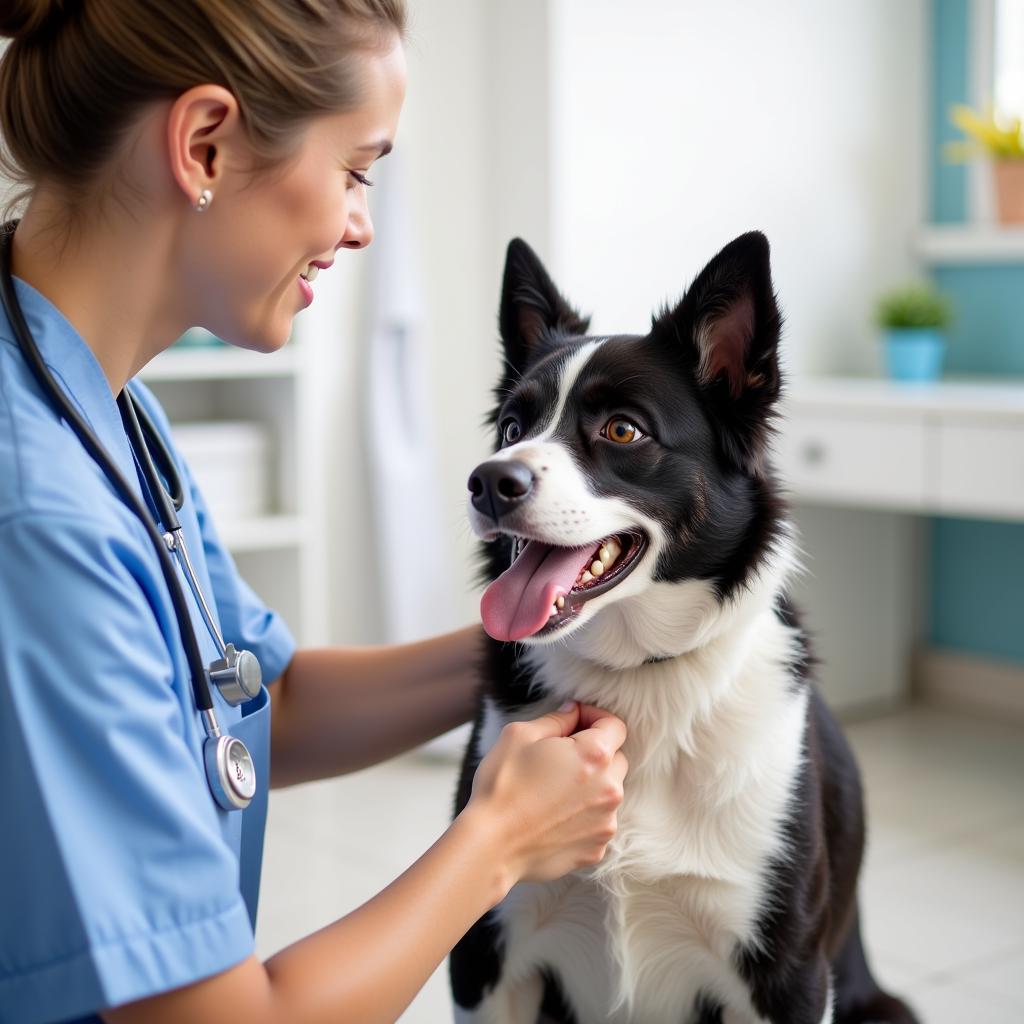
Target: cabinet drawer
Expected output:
[981,469]
[854,460]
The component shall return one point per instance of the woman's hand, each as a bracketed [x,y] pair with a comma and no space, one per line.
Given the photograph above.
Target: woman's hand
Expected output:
[544,803]
[554,785]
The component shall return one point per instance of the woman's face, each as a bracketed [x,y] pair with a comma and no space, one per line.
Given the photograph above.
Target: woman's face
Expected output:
[261,234]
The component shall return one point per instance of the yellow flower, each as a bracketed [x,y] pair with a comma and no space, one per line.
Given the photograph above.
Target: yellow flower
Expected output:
[986,136]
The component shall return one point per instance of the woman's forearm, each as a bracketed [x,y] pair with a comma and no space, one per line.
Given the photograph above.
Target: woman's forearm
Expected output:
[368,966]
[340,709]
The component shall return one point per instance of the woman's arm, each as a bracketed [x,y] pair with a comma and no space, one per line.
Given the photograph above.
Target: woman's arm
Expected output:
[544,803]
[366,967]
[340,709]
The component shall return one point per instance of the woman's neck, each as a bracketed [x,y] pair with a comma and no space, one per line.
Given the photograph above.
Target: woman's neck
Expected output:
[110,278]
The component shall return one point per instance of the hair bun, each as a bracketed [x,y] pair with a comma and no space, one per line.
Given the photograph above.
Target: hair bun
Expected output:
[20,19]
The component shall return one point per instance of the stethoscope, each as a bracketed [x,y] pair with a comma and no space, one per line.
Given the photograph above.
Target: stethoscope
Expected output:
[229,767]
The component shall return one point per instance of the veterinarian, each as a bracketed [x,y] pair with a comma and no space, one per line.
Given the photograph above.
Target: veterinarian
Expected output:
[188,163]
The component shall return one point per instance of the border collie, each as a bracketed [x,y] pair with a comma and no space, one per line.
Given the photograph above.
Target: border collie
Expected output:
[638,553]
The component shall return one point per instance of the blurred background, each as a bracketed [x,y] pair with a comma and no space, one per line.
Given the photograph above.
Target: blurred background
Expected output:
[627,144]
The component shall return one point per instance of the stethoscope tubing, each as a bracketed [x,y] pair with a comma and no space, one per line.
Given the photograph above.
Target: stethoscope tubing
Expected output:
[197,671]
[228,765]
[167,499]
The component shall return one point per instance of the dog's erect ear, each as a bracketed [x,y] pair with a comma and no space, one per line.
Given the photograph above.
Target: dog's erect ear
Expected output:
[729,322]
[731,318]
[531,306]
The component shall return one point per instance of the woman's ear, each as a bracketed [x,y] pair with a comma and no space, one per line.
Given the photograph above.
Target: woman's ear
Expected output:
[204,127]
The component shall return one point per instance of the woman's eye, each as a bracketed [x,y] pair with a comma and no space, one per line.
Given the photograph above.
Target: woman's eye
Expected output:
[510,431]
[621,430]
[361,178]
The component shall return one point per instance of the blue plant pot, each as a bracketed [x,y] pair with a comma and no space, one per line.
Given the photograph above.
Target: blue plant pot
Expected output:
[914,353]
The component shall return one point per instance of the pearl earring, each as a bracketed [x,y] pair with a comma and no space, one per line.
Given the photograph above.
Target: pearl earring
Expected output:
[204,200]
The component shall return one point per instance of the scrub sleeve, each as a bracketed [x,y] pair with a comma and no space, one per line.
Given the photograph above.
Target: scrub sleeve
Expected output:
[119,876]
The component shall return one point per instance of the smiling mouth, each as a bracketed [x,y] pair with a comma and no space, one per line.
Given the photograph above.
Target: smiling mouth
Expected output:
[547,586]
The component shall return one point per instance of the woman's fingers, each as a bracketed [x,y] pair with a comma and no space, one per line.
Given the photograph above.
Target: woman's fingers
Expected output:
[619,766]
[563,722]
[600,731]
[558,801]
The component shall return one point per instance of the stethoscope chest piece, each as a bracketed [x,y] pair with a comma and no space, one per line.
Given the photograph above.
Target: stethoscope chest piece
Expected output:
[230,772]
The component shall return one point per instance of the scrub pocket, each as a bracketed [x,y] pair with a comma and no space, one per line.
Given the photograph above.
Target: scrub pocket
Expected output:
[253,729]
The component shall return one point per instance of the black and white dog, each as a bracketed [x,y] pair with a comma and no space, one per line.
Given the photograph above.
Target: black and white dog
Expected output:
[638,552]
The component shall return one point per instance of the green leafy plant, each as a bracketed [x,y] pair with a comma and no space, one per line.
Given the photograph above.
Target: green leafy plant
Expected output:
[914,305]
[986,136]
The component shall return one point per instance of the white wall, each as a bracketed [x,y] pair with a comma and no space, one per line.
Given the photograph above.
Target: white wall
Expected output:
[681,125]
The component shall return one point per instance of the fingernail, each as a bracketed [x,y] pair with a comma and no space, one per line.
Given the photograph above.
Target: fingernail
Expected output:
[568,705]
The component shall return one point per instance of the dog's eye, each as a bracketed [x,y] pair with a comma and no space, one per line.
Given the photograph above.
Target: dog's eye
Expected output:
[621,430]
[510,431]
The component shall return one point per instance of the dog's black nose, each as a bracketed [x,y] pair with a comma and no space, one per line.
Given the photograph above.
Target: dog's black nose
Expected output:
[499,486]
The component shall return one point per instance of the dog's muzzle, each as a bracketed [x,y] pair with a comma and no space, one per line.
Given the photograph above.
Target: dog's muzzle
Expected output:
[500,486]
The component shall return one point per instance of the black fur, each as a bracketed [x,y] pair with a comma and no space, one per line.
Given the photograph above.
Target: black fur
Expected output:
[703,386]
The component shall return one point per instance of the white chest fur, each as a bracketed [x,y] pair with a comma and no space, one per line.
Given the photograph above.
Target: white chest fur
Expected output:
[714,746]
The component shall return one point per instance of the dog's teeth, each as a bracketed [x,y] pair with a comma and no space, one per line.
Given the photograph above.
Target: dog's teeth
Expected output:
[585,577]
[614,549]
[560,603]
[597,567]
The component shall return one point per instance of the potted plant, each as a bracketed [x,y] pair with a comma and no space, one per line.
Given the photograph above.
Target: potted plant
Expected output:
[1003,144]
[913,319]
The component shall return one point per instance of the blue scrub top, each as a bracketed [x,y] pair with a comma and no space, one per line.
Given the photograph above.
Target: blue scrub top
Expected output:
[119,875]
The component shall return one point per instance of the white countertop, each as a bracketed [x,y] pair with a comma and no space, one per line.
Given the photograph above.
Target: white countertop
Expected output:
[997,397]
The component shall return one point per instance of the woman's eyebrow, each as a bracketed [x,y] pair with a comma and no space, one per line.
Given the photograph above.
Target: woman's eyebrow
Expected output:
[382,148]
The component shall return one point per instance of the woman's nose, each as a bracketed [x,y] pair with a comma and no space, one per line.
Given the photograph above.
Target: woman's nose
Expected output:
[359,229]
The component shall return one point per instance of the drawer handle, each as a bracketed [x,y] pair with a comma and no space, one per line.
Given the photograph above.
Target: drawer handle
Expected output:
[814,453]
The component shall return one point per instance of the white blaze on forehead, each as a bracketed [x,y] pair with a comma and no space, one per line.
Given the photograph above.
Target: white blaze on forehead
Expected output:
[569,373]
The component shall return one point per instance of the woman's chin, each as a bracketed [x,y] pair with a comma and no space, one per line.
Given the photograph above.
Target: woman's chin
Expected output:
[260,337]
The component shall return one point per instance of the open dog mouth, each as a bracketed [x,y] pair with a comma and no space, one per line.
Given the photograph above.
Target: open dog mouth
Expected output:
[547,586]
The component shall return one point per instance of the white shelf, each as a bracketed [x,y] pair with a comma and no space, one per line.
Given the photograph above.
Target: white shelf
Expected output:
[970,243]
[220,362]
[268,533]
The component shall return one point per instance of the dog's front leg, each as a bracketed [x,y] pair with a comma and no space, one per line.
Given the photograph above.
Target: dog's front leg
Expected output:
[482,989]
[516,1002]
[802,996]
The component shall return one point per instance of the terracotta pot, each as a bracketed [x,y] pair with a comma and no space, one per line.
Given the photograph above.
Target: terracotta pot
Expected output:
[1009,182]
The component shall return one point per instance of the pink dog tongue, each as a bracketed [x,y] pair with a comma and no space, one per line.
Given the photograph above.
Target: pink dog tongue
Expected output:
[518,603]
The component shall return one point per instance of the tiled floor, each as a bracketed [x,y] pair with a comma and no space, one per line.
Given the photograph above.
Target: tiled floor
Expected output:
[942,895]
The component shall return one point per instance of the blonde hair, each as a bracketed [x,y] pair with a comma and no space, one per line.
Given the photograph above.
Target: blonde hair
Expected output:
[78,72]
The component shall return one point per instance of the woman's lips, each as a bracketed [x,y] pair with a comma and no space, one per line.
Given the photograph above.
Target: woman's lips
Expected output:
[307,291]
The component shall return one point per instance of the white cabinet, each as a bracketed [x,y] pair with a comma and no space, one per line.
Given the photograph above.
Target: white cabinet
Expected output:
[953,448]
[849,459]
[980,468]
[865,461]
